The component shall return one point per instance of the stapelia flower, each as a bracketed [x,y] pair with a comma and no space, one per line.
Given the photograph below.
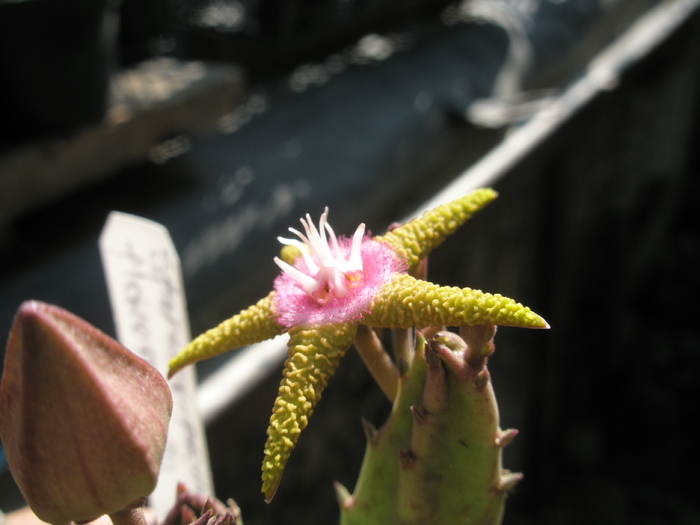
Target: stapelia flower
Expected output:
[328,286]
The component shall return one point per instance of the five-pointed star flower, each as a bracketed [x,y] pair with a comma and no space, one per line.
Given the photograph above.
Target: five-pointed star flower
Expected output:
[330,285]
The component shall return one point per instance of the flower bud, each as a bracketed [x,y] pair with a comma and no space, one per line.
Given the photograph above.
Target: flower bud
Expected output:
[83,420]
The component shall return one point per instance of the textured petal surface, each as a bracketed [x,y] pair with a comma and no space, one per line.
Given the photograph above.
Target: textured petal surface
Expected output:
[252,325]
[409,302]
[313,356]
[414,240]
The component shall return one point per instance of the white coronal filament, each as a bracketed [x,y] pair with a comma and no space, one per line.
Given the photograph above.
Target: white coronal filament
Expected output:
[329,269]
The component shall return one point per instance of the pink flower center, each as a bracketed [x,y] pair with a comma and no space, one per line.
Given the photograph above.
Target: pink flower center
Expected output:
[333,279]
[329,270]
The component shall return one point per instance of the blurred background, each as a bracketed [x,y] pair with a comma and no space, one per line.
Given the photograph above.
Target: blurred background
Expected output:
[227,120]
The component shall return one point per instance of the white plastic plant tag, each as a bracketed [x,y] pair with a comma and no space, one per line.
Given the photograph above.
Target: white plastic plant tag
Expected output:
[148,304]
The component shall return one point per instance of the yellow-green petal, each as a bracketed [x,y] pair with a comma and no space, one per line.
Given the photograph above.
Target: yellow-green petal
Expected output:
[252,325]
[313,355]
[414,240]
[407,302]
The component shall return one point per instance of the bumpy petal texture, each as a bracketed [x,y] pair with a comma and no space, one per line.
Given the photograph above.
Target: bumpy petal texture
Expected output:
[414,240]
[293,306]
[252,325]
[409,302]
[313,356]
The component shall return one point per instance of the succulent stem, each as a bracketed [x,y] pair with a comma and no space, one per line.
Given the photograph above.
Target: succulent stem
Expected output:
[437,460]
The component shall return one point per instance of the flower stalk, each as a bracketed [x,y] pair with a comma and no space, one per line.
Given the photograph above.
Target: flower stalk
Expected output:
[377,361]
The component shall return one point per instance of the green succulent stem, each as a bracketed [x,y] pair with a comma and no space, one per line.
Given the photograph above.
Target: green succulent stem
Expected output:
[376,495]
[437,460]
